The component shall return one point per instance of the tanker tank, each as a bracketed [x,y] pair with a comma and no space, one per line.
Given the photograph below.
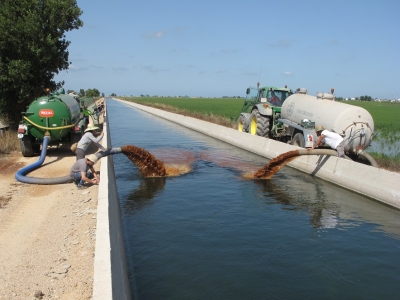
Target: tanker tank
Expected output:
[353,123]
[57,116]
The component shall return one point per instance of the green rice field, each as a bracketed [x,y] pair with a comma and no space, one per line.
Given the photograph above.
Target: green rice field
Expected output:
[385,114]
[224,107]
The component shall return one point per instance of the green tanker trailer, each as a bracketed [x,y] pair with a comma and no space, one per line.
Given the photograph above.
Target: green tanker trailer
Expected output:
[55,115]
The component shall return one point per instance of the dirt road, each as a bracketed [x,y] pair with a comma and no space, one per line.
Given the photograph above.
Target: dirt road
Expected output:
[47,232]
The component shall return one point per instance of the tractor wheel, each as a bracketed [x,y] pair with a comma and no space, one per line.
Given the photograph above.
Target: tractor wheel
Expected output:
[26,146]
[259,125]
[240,124]
[298,140]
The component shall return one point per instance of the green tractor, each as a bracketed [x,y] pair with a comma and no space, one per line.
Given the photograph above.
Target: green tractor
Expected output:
[262,110]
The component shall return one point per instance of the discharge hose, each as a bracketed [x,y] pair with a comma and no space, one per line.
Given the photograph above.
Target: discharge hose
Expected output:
[368,157]
[330,152]
[21,174]
[110,151]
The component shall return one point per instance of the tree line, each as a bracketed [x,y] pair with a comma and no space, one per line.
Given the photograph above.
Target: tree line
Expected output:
[88,93]
[361,98]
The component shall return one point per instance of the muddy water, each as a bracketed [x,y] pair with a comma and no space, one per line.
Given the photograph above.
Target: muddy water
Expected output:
[275,165]
[150,166]
[211,234]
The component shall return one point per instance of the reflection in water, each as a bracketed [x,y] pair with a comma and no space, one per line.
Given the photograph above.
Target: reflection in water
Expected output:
[387,144]
[147,190]
[323,214]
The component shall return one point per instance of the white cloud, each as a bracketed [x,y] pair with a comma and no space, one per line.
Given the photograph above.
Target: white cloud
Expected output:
[250,73]
[149,68]
[119,68]
[220,71]
[282,44]
[154,35]
[76,68]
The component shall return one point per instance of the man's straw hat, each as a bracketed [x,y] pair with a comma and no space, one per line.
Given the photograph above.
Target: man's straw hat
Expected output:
[91,127]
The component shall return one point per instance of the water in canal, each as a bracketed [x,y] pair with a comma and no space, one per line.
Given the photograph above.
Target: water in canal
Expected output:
[211,234]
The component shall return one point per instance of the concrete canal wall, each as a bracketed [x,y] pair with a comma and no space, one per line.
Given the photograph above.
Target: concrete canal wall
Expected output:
[110,269]
[378,184]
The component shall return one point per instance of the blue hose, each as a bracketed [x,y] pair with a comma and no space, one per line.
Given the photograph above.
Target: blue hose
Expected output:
[20,175]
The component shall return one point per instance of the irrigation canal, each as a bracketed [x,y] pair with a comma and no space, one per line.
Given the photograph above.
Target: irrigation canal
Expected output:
[212,234]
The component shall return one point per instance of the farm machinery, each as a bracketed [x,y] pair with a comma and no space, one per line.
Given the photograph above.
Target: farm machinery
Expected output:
[281,114]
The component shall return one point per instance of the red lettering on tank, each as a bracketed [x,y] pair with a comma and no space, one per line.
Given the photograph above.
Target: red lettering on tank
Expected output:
[46,113]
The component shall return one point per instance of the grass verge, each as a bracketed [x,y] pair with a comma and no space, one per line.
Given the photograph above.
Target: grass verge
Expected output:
[8,142]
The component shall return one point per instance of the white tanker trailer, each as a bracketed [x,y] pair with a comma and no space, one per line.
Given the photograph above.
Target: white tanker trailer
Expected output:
[353,123]
[294,120]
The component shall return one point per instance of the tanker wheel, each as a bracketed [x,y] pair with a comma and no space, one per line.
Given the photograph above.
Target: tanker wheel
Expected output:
[259,125]
[76,136]
[240,124]
[26,146]
[36,148]
[298,140]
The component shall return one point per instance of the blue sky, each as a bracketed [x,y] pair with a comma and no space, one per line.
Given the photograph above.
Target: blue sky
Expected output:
[215,48]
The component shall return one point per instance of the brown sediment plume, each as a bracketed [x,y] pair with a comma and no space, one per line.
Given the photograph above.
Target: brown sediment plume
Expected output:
[176,170]
[225,159]
[148,165]
[174,156]
[276,164]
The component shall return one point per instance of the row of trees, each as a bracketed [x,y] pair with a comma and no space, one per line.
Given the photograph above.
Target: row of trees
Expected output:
[87,93]
[366,98]
[186,96]
[33,48]
[361,98]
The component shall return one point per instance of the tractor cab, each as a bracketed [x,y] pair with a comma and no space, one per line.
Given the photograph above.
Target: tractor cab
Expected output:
[275,97]
[267,96]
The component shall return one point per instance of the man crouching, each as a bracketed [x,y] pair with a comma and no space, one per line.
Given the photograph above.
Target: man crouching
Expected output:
[82,171]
